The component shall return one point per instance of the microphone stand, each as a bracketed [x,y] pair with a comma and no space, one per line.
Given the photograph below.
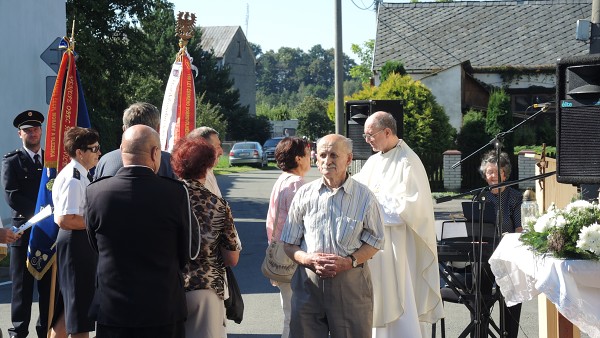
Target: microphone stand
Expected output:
[500,135]
[478,250]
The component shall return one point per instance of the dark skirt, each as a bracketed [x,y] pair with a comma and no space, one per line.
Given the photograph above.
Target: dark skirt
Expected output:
[77,276]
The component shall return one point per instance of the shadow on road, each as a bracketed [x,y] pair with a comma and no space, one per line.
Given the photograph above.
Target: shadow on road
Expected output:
[247,335]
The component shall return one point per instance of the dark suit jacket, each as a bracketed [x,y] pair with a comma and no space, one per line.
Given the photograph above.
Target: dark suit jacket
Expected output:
[21,181]
[111,162]
[139,224]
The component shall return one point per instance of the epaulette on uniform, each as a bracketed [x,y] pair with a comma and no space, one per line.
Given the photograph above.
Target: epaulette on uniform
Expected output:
[13,153]
[76,174]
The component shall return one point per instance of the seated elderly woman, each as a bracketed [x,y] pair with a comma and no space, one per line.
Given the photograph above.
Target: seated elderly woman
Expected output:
[495,170]
[204,277]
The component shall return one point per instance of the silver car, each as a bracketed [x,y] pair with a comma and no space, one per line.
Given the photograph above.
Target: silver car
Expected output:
[247,153]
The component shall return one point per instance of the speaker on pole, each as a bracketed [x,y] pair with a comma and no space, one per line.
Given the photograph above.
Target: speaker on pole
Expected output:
[357,112]
[578,119]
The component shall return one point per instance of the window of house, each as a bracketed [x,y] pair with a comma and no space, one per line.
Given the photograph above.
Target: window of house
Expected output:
[520,101]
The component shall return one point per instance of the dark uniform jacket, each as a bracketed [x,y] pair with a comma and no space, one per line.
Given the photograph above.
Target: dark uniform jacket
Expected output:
[139,224]
[21,181]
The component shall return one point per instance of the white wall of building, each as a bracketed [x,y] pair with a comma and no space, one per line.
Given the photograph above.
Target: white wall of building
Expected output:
[446,87]
[27,27]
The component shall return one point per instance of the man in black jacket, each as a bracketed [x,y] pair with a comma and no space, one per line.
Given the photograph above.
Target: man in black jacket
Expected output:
[139,223]
[21,174]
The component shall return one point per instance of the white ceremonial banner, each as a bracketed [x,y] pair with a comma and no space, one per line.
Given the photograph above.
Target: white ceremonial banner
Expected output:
[168,112]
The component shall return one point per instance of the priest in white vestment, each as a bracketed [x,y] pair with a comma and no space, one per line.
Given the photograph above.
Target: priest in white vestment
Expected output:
[406,287]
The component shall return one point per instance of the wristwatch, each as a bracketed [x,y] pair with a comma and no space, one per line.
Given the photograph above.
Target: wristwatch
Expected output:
[354,262]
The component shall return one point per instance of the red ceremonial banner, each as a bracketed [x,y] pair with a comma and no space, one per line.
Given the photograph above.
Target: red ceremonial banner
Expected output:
[186,101]
[69,109]
[53,146]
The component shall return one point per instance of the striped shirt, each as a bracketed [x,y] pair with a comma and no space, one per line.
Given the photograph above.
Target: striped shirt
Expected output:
[334,221]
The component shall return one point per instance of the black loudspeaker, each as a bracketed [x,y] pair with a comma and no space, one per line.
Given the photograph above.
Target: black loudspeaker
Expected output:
[357,112]
[578,119]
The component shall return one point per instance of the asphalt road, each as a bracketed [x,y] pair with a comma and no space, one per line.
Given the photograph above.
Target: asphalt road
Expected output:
[248,193]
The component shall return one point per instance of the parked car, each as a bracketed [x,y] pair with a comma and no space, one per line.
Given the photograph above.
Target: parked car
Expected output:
[269,147]
[247,153]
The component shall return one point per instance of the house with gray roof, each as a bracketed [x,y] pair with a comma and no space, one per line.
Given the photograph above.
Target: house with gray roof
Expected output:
[462,50]
[231,48]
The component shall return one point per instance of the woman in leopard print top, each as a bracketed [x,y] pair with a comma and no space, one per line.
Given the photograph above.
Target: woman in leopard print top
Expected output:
[220,246]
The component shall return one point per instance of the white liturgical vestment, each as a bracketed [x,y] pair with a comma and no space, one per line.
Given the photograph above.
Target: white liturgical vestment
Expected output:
[211,183]
[405,273]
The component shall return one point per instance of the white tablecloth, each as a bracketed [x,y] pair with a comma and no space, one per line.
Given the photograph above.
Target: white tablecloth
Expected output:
[572,285]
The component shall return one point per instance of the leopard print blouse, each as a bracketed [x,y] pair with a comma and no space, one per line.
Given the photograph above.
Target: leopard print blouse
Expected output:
[216,230]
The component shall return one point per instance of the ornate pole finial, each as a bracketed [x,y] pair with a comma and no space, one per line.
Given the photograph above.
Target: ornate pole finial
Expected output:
[184,27]
[68,43]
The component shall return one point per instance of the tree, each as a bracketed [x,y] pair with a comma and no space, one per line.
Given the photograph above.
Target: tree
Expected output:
[210,115]
[312,118]
[290,70]
[392,67]
[472,133]
[363,71]
[499,118]
[278,113]
[119,62]
[426,126]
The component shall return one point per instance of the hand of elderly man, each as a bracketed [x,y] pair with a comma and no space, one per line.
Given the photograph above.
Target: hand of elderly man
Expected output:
[329,265]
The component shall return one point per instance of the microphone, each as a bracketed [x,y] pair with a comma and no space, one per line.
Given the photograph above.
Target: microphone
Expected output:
[543,106]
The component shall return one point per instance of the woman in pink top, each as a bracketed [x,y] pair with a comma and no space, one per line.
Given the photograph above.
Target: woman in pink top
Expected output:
[293,157]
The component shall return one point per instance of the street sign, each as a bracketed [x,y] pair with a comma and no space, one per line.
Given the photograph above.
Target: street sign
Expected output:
[52,55]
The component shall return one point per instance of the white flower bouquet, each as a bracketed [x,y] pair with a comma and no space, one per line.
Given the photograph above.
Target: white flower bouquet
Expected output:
[572,232]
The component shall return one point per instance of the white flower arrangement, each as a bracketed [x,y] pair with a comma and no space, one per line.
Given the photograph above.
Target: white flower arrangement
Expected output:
[572,232]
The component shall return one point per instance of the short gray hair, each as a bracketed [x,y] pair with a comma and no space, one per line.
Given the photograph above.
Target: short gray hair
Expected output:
[204,132]
[141,113]
[490,158]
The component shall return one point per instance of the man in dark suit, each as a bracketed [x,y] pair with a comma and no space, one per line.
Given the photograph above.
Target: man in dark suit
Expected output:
[138,113]
[139,223]
[21,174]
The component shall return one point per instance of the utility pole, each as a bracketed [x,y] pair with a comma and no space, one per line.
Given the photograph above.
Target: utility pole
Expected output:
[595,38]
[340,127]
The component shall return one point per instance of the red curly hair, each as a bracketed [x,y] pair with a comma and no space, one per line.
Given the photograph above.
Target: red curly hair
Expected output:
[191,158]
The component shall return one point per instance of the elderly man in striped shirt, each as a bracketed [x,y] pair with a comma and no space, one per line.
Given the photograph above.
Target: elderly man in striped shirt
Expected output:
[334,227]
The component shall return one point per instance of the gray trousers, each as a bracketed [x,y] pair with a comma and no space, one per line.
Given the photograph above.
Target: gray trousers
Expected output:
[339,307]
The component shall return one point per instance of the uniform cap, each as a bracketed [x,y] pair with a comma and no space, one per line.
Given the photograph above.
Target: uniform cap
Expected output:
[28,119]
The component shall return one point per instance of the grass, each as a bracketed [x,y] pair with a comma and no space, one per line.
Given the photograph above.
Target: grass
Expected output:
[223,167]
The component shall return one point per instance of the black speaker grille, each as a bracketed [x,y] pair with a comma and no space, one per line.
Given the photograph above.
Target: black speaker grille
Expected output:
[361,150]
[578,147]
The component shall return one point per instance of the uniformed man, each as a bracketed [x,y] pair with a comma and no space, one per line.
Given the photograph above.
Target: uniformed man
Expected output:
[21,174]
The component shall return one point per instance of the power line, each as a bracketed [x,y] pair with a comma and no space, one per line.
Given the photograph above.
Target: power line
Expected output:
[364,7]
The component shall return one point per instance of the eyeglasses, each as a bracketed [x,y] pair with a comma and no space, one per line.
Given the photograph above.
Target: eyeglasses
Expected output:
[371,136]
[93,149]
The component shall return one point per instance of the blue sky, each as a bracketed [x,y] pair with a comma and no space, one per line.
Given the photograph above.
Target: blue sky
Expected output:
[288,23]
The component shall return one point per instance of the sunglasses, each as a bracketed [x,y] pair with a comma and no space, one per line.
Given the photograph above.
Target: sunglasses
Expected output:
[93,149]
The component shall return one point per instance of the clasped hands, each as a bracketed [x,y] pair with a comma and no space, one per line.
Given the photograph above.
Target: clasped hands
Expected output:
[328,265]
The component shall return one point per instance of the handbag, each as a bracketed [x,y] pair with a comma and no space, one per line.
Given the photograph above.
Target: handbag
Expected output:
[234,305]
[277,265]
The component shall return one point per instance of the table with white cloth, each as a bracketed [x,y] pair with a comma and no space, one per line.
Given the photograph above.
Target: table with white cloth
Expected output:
[573,286]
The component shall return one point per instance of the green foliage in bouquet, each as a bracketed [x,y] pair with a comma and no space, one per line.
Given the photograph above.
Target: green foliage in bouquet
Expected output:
[572,232]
